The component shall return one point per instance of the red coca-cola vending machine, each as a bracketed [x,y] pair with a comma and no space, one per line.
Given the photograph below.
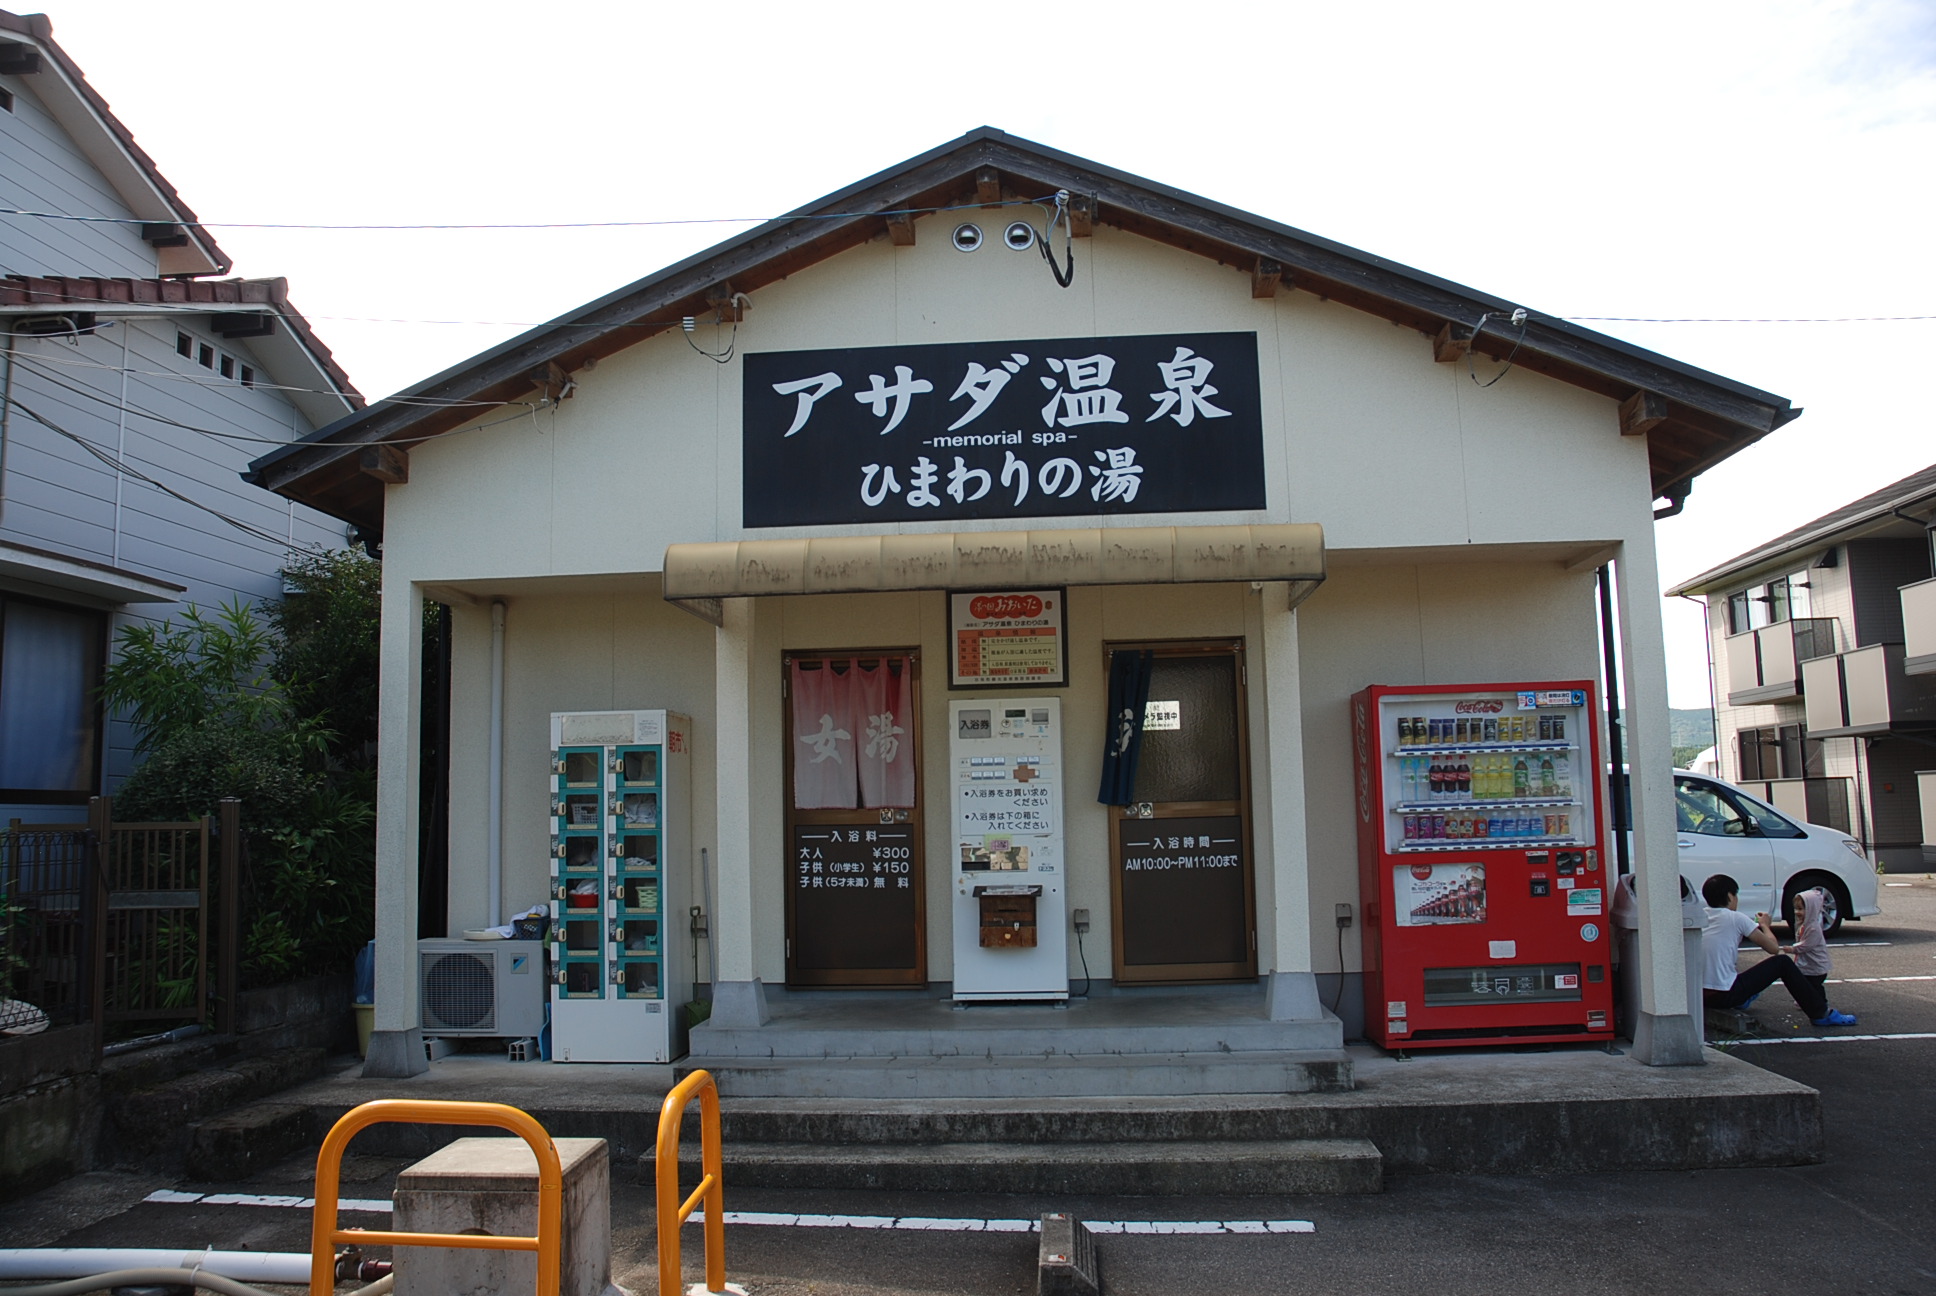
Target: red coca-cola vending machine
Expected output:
[1481,864]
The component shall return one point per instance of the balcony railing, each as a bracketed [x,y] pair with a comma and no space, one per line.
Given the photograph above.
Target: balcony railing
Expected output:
[1865,691]
[1765,665]
[1823,801]
[1919,627]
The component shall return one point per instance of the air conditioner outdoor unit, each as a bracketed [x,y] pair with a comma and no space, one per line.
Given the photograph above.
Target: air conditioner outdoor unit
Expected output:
[488,988]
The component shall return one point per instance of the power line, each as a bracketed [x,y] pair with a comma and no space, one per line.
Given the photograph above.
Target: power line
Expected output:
[528,407]
[1836,319]
[532,225]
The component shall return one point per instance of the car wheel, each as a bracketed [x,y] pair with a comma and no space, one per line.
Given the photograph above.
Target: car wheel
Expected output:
[1834,907]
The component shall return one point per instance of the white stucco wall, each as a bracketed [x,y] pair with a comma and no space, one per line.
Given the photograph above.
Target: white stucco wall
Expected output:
[1406,463]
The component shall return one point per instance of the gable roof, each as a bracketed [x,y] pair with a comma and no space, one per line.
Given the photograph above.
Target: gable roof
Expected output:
[27,49]
[1873,512]
[1692,419]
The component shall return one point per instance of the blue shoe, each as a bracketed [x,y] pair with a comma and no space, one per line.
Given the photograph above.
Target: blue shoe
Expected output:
[1836,1019]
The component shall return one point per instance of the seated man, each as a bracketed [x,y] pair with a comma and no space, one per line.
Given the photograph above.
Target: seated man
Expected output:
[1726,925]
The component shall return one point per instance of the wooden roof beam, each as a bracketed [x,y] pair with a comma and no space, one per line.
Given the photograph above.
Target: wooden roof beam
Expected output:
[1641,413]
[1082,215]
[900,228]
[386,463]
[1452,343]
[988,186]
[1264,279]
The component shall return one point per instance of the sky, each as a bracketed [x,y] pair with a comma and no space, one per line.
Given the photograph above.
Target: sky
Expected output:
[1686,161]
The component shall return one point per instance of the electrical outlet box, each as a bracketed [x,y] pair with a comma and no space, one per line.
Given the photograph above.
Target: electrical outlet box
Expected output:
[1081,919]
[1344,915]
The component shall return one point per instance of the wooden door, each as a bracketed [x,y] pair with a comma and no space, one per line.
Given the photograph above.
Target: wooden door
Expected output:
[1181,882]
[856,910]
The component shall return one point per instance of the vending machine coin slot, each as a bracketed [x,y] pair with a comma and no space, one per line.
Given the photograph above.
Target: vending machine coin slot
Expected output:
[1542,885]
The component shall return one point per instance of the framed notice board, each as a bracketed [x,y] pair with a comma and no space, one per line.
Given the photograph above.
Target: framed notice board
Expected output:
[1003,638]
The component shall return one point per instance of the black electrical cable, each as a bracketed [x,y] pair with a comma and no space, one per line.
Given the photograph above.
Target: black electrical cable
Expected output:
[1084,956]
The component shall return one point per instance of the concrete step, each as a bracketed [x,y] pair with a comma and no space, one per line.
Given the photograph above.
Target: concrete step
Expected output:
[234,1146]
[1058,1075]
[998,1032]
[1328,1166]
[152,1126]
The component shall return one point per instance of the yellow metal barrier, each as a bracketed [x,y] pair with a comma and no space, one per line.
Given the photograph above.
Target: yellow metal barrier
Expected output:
[324,1235]
[710,1189]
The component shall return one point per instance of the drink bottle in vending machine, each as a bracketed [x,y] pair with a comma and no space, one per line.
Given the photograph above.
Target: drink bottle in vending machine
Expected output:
[1481,864]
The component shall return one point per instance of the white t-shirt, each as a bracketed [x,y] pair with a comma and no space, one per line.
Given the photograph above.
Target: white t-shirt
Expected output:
[1720,938]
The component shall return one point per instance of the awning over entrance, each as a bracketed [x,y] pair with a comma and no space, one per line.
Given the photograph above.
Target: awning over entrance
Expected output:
[698,574]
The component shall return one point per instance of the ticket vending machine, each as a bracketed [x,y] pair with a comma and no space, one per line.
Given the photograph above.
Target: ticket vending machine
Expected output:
[621,969]
[1011,891]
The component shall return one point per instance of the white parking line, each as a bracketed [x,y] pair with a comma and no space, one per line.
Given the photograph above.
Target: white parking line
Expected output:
[928,1225]
[1828,1039]
[368,1204]
[1867,980]
[1858,944]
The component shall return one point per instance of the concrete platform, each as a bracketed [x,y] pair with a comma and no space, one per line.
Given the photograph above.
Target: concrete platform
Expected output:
[1557,1109]
[846,1044]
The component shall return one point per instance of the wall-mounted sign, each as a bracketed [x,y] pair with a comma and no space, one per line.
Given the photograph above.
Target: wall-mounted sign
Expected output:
[1162,715]
[1008,637]
[1168,423]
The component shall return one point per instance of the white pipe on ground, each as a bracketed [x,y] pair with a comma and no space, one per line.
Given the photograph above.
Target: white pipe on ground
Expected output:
[83,1262]
[494,814]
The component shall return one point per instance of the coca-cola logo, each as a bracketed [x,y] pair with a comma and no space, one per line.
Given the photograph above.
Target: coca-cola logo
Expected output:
[1479,708]
[1423,872]
[986,607]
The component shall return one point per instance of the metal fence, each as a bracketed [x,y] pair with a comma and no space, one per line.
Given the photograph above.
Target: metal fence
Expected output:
[50,884]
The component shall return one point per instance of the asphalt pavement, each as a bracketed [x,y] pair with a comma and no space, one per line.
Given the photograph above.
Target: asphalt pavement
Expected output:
[1858,1222]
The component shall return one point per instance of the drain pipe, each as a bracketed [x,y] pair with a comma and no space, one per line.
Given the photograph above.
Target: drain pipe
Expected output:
[1616,755]
[6,416]
[494,814]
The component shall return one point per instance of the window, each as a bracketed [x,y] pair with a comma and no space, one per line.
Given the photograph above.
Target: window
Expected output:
[208,356]
[1779,753]
[50,666]
[1784,599]
[1708,811]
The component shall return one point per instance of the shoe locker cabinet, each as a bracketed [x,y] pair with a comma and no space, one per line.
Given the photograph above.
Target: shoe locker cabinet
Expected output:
[621,968]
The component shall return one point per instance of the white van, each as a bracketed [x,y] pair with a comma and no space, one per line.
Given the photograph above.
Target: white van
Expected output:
[1772,857]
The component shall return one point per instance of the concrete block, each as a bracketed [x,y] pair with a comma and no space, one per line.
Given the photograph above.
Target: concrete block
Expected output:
[1066,1262]
[1730,1023]
[490,1185]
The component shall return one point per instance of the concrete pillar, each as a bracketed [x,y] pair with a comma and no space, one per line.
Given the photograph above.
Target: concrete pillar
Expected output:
[1664,1032]
[396,1044]
[739,999]
[1291,987]
[490,1185]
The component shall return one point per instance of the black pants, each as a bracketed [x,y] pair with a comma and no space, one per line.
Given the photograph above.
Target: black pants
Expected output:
[1808,993]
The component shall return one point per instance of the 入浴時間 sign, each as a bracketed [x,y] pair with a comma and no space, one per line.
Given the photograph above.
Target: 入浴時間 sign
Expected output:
[1169,423]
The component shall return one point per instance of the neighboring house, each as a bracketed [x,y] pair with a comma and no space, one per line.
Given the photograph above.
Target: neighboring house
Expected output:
[135,387]
[730,486]
[1823,644]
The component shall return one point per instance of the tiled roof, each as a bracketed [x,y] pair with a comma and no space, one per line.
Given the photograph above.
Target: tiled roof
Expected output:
[53,292]
[1917,487]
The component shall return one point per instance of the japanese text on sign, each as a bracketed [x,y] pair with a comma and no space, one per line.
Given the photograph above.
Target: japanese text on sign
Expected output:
[1167,423]
[853,858]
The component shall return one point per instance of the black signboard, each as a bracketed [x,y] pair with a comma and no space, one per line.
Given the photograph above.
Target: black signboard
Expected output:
[1183,890]
[1166,423]
[854,900]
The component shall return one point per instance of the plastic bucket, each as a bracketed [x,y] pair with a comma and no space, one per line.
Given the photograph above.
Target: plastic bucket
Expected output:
[365,1023]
